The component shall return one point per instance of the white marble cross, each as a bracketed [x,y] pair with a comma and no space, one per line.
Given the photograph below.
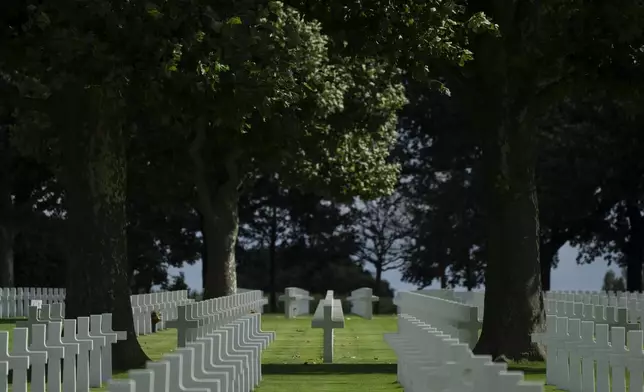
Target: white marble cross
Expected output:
[85,346]
[328,316]
[19,365]
[184,323]
[54,339]
[95,356]
[55,356]
[37,359]
[32,319]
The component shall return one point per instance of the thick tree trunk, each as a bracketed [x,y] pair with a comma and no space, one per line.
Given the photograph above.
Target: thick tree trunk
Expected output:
[469,275]
[546,271]
[7,235]
[220,236]
[443,277]
[218,203]
[272,263]
[634,251]
[501,102]
[94,175]
[547,252]
[204,252]
[7,231]
[513,296]
[376,290]
[7,276]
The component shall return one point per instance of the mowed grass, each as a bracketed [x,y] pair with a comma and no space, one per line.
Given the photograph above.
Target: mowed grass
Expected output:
[363,361]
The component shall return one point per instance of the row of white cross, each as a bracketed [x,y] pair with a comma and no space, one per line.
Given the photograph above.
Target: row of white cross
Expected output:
[633,301]
[220,349]
[583,356]
[431,361]
[165,303]
[83,347]
[297,302]
[15,302]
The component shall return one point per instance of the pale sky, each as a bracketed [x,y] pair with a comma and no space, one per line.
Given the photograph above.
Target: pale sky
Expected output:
[567,276]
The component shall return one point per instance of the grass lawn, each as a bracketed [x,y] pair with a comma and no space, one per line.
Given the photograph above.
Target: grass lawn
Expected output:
[293,363]
[362,361]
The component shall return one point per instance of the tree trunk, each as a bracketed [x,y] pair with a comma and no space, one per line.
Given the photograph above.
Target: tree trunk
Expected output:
[634,251]
[7,276]
[546,269]
[94,175]
[7,235]
[7,231]
[377,283]
[272,266]
[547,252]
[218,203]
[204,253]
[469,274]
[220,236]
[443,277]
[502,97]
[513,296]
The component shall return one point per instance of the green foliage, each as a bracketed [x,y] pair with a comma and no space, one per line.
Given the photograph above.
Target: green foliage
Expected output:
[613,283]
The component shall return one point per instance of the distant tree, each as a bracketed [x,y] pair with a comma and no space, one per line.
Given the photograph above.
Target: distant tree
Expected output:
[383,233]
[177,282]
[264,222]
[612,282]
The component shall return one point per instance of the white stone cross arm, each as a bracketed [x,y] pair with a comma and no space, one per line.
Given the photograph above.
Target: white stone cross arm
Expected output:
[33,318]
[37,359]
[106,326]
[17,363]
[183,324]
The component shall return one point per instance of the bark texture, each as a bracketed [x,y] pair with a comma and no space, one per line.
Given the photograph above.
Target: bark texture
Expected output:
[94,175]
[7,230]
[377,283]
[7,275]
[513,294]
[634,251]
[218,200]
[272,263]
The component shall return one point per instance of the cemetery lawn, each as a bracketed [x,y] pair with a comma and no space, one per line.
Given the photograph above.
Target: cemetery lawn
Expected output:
[293,362]
[363,361]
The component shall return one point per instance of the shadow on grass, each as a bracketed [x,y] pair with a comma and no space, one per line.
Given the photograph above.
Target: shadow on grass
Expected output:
[11,320]
[527,369]
[331,368]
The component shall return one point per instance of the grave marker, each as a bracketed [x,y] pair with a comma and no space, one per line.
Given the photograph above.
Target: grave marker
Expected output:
[184,324]
[328,316]
[54,339]
[85,346]
[18,364]
[37,359]
[55,356]
[95,356]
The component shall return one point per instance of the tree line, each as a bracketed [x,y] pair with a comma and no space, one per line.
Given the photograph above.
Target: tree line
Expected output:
[296,141]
